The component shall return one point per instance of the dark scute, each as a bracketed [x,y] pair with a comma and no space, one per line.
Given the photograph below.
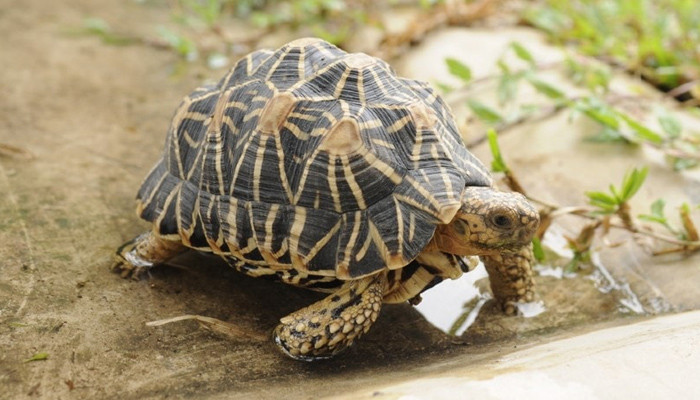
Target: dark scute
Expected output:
[244,232]
[168,223]
[287,72]
[209,211]
[280,228]
[371,262]
[198,238]
[188,199]
[408,271]
[375,185]
[149,186]
[326,258]
[285,258]
[316,184]
[254,255]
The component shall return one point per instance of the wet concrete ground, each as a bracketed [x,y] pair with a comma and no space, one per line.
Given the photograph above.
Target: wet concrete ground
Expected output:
[90,120]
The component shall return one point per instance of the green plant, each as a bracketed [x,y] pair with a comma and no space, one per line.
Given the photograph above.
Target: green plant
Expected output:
[654,38]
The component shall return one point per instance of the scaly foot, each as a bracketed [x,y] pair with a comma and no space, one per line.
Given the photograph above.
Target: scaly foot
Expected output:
[139,254]
[510,275]
[330,326]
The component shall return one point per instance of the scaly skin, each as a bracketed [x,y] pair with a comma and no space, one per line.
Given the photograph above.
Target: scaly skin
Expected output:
[331,325]
[510,275]
[142,252]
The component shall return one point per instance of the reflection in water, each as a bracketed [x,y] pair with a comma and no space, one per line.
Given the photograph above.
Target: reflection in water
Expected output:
[606,283]
[454,300]
[453,305]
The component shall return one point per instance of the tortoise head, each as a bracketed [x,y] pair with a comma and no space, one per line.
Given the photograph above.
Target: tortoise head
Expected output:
[487,223]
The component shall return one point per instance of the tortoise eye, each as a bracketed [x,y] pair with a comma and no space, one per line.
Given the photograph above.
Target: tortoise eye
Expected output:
[502,221]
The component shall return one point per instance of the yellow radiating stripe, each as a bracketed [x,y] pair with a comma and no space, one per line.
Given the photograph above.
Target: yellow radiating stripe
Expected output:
[147,202]
[341,83]
[283,173]
[360,87]
[383,143]
[295,235]
[231,220]
[333,183]
[399,221]
[386,169]
[319,245]
[273,68]
[257,169]
[240,160]
[363,250]
[399,124]
[354,186]
[353,237]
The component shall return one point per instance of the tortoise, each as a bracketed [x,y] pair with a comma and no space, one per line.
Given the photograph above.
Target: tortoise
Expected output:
[325,170]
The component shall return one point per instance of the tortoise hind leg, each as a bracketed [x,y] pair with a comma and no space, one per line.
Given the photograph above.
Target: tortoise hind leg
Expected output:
[330,326]
[142,252]
[510,275]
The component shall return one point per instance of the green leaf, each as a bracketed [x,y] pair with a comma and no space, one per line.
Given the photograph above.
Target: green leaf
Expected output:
[657,208]
[537,249]
[642,131]
[458,69]
[444,88]
[598,111]
[632,182]
[37,357]
[498,164]
[657,212]
[523,53]
[671,125]
[607,135]
[484,112]
[507,87]
[546,89]
[680,164]
[603,201]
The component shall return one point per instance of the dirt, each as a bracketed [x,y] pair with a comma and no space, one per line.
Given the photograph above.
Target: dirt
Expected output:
[85,122]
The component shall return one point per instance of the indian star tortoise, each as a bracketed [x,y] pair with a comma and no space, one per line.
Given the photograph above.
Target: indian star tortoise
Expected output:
[325,170]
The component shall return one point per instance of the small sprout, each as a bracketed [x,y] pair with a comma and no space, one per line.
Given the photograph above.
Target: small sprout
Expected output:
[38,357]
[183,46]
[101,29]
[657,213]
[581,245]
[670,124]
[458,69]
[598,111]
[507,87]
[607,135]
[641,131]
[484,112]
[615,202]
[523,53]
[498,164]
[631,183]
[546,89]
[691,232]
[537,249]
[444,87]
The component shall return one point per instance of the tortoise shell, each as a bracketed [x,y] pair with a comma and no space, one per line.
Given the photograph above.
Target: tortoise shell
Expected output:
[308,158]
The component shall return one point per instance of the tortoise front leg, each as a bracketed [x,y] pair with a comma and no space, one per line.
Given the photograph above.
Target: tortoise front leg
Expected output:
[510,275]
[142,252]
[330,326]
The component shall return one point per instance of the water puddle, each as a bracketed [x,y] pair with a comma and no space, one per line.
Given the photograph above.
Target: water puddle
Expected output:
[453,305]
[596,291]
